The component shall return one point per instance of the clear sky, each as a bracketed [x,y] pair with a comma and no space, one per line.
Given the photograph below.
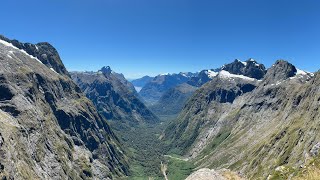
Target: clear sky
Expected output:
[138,37]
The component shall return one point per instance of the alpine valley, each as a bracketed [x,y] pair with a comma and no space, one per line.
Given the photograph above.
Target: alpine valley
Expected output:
[238,121]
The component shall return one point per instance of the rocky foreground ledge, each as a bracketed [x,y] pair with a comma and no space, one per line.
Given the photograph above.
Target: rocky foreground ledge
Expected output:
[211,174]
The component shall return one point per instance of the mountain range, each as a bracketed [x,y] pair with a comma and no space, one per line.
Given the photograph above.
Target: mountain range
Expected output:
[251,126]
[239,121]
[172,93]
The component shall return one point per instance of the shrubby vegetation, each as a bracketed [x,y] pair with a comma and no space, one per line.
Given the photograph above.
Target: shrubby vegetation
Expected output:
[146,152]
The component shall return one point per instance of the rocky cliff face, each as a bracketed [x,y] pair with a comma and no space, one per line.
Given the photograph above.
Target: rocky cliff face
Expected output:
[203,77]
[49,129]
[249,68]
[113,97]
[214,96]
[43,51]
[107,71]
[280,71]
[268,124]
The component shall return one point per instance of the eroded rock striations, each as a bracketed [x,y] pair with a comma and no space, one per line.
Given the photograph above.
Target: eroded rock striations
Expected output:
[49,129]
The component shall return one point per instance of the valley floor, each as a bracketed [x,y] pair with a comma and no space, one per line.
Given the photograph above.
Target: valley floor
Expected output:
[147,153]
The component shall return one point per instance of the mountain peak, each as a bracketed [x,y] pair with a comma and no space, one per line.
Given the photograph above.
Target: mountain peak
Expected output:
[248,68]
[44,51]
[252,60]
[281,70]
[164,74]
[188,74]
[105,70]
[239,62]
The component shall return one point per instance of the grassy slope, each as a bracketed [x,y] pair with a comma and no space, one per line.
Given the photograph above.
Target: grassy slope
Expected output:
[178,169]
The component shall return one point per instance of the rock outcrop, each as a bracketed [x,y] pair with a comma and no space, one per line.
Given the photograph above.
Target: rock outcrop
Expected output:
[249,68]
[211,174]
[203,77]
[43,51]
[114,98]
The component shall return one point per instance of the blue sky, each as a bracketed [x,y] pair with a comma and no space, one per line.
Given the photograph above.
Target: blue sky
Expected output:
[138,37]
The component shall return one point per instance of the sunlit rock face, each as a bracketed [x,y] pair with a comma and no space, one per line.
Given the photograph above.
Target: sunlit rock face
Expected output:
[49,129]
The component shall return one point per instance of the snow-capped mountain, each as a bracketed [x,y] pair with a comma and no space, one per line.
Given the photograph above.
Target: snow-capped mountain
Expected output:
[249,68]
[240,117]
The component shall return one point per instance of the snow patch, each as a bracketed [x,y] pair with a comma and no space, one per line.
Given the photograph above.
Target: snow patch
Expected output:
[187,74]
[277,83]
[53,70]
[22,51]
[184,74]
[211,74]
[32,57]
[7,44]
[254,62]
[138,89]
[244,63]
[226,74]
[301,73]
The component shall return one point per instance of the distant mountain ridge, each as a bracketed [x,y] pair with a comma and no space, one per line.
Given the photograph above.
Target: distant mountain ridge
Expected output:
[153,90]
[172,100]
[141,82]
[253,126]
[114,96]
